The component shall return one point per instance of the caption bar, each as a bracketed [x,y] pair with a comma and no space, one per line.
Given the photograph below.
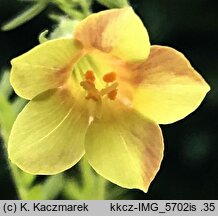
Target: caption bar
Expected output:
[110,207]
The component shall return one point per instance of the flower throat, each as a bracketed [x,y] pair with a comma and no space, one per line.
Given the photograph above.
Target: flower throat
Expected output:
[110,89]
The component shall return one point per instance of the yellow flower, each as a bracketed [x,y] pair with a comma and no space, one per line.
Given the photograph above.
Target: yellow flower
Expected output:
[102,93]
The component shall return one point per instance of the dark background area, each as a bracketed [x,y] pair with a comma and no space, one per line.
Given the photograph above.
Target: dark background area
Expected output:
[190,166]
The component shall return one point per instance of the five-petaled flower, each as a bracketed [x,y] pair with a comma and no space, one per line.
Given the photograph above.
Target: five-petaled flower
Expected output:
[102,93]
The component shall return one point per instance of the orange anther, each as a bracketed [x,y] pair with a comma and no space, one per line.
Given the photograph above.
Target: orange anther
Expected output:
[110,77]
[90,76]
[112,95]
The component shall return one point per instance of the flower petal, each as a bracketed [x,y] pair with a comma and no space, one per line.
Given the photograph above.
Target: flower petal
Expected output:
[116,31]
[168,88]
[46,66]
[125,148]
[48,135]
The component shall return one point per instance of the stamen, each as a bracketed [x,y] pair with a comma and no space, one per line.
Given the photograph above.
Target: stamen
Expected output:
[112,95]
[93,96]
[108,89]
[93,93]
[110,77]
[90,76]
[87,85]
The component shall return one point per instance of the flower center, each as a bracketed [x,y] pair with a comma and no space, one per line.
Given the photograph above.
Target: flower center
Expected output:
[110,89]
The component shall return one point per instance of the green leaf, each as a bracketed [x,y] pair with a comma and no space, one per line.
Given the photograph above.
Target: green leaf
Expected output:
[65,28]
[27,179]
[35,193]
[18,104]
[85,5]
[7,117]
[29,0]
[5,86]
[25,16]
[42,37]
[114,4]
[69,9]
[53,186]
[72,190]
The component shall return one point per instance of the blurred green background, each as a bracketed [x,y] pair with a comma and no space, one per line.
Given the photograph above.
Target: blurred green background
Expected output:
[190,166]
